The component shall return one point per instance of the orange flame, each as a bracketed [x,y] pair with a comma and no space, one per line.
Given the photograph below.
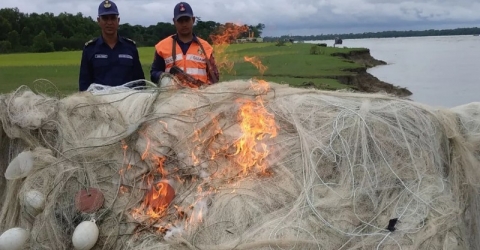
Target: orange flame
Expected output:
[257,63]
[256,123]
[157,200]
[159,194]
[260,85]
[225,35]
[251,150]
[228,33]
[207,146]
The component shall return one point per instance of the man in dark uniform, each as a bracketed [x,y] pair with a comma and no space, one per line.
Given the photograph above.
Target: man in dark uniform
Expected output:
[110,59]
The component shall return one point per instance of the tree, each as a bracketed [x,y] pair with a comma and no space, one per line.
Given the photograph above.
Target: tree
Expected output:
[41,43]
[5,47]
[13,16]
[26,36]
[5,27]
[67,31]
[205,29]
[14,38]
[257,29]
[260,28]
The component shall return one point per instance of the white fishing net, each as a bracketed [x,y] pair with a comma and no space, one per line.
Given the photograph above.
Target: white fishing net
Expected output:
[251,168]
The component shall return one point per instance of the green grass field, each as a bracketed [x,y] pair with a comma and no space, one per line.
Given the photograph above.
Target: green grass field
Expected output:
[292,64]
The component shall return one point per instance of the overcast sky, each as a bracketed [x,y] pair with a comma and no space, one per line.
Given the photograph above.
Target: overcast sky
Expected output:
[281,17]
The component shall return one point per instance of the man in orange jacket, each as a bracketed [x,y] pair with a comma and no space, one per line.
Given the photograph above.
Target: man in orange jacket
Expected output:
[185,50]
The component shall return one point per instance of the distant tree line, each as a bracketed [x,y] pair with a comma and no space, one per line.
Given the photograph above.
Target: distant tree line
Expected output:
[20,32]
[382,34]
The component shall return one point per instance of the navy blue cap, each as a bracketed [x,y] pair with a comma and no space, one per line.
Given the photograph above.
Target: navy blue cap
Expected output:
[107,8]
[182,9]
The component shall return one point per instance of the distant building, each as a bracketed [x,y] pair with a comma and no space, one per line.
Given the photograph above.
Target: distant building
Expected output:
[250,40]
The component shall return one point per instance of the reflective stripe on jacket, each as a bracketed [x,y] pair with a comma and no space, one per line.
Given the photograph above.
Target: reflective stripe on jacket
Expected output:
[193,63]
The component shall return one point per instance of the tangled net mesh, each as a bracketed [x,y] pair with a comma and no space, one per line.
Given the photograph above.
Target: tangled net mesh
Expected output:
[252,166]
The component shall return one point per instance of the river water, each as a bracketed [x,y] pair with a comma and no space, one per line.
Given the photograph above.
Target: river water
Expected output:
[440,71]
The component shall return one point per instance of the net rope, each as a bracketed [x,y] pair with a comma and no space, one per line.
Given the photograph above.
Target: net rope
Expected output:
[339,170]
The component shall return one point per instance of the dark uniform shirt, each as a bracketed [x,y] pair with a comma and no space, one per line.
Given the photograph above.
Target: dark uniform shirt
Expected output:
[112,67]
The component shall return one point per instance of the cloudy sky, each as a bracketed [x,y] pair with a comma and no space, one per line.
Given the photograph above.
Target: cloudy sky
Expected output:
[283,17]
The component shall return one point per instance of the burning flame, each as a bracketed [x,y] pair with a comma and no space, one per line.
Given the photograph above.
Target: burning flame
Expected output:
[157,200]
[256,124]
[158,196]
[261,85]
[228,33]
[208,143]
[257,63]
[160,193]
[224,36]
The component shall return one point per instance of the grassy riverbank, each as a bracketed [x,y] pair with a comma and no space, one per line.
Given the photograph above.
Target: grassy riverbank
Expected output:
[300,65]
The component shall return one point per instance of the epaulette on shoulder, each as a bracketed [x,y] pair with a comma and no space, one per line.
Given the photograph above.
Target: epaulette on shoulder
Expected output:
[130,40]
[91,41]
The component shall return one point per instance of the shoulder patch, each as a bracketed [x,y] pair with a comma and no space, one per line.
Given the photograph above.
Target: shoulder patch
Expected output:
[91,41]
[130,40]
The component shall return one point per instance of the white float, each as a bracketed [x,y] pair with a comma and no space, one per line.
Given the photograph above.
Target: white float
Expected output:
[85,235]
[14,239]
[34,202]
[20,166]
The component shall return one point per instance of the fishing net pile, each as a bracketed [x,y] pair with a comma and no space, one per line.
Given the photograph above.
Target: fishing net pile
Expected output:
[237,165]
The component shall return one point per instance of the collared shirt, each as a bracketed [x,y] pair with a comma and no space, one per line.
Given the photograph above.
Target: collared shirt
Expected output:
[158,65]
[110,66]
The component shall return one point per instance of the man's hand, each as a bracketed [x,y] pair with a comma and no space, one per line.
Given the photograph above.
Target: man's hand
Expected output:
[213,70]
[165,80]
[185,78]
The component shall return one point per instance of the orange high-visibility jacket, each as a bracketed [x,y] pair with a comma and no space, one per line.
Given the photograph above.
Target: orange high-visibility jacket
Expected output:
[193,63]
